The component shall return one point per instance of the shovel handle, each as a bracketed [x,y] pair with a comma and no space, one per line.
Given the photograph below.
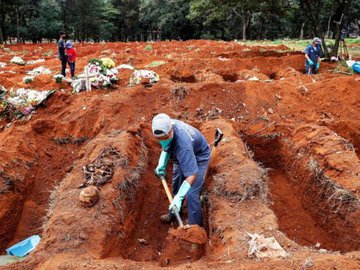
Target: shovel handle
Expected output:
[167,191]
[170,198]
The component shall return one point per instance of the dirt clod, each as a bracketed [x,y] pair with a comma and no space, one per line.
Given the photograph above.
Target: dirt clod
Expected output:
[185,244]
[89,196]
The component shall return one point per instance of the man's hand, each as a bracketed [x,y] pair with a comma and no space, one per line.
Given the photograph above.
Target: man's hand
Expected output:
[177,201]
[161,167]
[317,65]
[311,63]
[179,197]
[160,171]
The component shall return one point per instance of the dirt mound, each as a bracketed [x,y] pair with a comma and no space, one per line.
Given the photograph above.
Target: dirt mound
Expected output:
[184,245]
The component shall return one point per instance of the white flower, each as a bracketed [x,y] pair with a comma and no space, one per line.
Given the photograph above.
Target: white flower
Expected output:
[18,60]
[39,71]
[31,62]
[2,64]
[58,76]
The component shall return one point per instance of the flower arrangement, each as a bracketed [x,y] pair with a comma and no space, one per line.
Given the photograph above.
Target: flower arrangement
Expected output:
[99,73]
[94,68]
[39,71]
[28,79]
[107,62]
[31,62]
[143,76]
[58,78]
[18,60]
[2,64]
[111,75]
[23,101]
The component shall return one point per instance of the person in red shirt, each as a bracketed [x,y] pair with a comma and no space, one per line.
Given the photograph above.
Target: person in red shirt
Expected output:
[71,57]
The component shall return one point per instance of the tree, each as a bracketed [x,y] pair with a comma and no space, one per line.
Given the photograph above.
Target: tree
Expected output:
[167,17]
[47,23]
[127,20]
[319,21]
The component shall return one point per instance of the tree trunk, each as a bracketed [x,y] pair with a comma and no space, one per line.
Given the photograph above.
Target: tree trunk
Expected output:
[1,36]
[301,36]
[343,6]
[328,26]
[17,26]
[244,25]
[337,39]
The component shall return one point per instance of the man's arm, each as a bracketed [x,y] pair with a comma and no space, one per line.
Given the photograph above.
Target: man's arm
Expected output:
[188,166]
[191,179]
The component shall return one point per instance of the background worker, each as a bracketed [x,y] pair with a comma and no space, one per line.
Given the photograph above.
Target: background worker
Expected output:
[312,56]
[62,53]
[190,152]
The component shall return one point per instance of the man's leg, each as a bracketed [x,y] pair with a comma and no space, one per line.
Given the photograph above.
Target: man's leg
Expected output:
[72,69]
[314,70]
[177,179]
[63,66]
[193,197]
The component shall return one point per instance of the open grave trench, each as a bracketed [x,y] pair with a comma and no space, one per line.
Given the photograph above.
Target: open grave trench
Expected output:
[125,222]
[314,185]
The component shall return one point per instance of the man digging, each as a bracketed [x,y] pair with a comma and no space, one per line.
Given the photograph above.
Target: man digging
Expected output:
[190,153]
[312,56]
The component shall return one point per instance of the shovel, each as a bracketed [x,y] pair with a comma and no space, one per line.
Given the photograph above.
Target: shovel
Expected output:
[170,198]
[218,137]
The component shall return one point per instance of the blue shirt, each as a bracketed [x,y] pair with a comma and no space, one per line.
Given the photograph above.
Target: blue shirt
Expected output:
[188,148]
[313,53]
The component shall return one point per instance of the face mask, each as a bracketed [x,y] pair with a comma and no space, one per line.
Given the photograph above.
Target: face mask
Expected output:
[165,143]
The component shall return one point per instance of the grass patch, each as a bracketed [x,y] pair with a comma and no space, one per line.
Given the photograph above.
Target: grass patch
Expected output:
[48,53]
[148,47]
[155,64]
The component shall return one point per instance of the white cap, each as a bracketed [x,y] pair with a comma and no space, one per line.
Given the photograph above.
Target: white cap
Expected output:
[317,40]
[161,125]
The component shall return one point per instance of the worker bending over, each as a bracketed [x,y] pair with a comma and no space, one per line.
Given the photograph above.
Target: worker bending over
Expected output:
[190,153]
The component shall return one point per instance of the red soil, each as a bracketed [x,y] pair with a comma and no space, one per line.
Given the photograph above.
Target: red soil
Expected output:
[269,115]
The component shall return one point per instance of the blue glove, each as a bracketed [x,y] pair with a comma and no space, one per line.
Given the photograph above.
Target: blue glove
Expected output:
[317,65]
[311,63]
[177,201]
[161,167]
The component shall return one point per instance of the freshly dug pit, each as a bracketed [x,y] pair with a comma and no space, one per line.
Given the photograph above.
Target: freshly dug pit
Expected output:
[186,244]
[146,237]
[313,182]
[27,178]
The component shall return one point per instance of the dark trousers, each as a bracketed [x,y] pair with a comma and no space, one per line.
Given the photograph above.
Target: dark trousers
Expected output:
[310,69]
[193,195]
[63,65]
[72,68]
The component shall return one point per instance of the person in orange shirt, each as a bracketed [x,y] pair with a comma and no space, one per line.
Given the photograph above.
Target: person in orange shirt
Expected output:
[71,57]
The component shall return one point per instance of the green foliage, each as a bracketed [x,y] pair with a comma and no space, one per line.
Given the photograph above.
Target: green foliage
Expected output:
[155,64]
[146,20]
[148,47]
